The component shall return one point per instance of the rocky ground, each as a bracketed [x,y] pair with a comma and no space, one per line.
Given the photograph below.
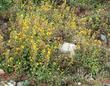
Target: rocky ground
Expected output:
[27,83]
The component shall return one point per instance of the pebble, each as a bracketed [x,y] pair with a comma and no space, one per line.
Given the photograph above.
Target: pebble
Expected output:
[2,72]
[104,38]
[79,83]
[11,83]
[20,83]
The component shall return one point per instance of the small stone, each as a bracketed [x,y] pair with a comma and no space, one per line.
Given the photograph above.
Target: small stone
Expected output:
[11,83]
[2,72]
[89,78]
[20,83]
[79,83]
[103,37]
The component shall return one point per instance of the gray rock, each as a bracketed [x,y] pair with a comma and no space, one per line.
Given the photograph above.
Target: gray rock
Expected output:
[23,83]
[106,84]
[104,38]
[20,83]
[11,83]
[89,77]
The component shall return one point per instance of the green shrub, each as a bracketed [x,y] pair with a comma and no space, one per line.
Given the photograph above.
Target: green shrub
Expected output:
[89,57]
[5,4]
[36,32]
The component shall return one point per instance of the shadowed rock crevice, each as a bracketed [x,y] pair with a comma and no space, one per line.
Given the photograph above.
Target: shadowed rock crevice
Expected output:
[4,31]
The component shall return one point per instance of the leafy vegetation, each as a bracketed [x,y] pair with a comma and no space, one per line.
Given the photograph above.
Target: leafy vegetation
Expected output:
[36,29]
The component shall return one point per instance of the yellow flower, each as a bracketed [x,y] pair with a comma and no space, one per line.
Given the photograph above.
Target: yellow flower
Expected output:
[34,47]
[48,54]
[78,46]
[83,20]
[43,51]
[1,38]
[46,7]
[73,25]
[31,37]
[83,32]
[48,33]
[22,46]
[11,59]
[17,49]
[97,42]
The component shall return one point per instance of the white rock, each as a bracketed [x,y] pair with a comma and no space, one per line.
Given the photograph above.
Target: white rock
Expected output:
[67,47]
[20,83]
[79,83]
[2,72]
[11,83]
[89,77]
[103,37]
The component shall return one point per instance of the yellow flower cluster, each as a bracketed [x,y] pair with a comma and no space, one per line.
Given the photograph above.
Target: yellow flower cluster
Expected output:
[32,31]
[46,7]
[35,27]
